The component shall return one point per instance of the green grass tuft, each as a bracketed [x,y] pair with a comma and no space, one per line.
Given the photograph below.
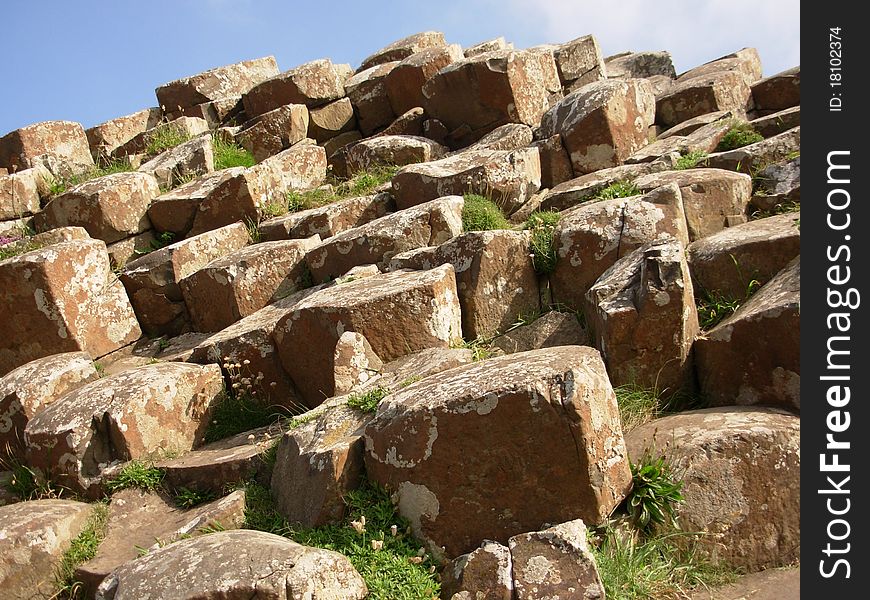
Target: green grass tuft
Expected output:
[618,189]
[482,214]
[137,474]
[164,137]
[58,186]
[737,136]
[228,155]
[542,225]
[690,160]
[238,412]
[18,248]
[481,348]
[637,406]
[188,498]
[363,183]
[82,549]
[368,402]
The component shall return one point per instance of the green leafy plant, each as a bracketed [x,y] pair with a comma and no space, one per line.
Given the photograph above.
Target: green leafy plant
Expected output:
[690,160]
[482,214]
[618,189]
[409,381]
[542,225]
[82,549]
[229,154]
[188,498]
[137,474]
[737,136]
[655,494]
[713,308]
[368,402]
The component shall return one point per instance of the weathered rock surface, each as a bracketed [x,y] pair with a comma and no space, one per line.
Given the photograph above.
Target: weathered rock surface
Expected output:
[189,159]
[713,199]
[109,208]
[64,298]
[106,137]
[602,123]
[643,317]
[593,236]
[235,564]
[33,386]
[244,281]
[640,64]
[331,120]
[59,144]
[755,157]
[485,46]
[423,306]
[745,62]
[753,357]
[329,220]
[275,130]
[484,573]
[131,415]
[405,82]
[146,520]
[312,84]
[777,184]
[694,96]
[152,280]
[579,61]
[403,48]
[33,537]
[355,363]
[508,177]
[553,562]
[550,330]
[300,167]
[19,194]
[367,91]
[726,263]
[392,150]
[215,84]
[555,163]
[376,242]
[740,468]
[184,128]
[778,122]
[471,412]
[777,92]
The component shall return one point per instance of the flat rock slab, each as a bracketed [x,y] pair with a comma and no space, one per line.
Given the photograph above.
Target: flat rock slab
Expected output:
[468,416]
[274,131]
[484,573]
[143,520]
[396,150]
[759,155]
[753,356]
[771,584]
[399,313]
[64,142]
[327,221]
[727,262]
[740,468]
[131,415]
[550,330]
[508,177]
[33,537]
[214,84]
[404,48]
[109,208]
[376,242]
[106,137]
[33,386]
[695,96]
[312,84]
[64,298]
[777,92]
[235,564]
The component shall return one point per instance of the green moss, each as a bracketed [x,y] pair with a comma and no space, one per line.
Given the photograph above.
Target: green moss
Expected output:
[482,214]
[690,160]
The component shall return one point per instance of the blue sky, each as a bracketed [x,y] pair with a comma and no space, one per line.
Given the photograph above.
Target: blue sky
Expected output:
[90,60]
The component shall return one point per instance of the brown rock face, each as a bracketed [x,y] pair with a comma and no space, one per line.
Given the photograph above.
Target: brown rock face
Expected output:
[403,48]
[109,208]
[555,163]
[740,468]
[555,562]
[405,82]
[396,150]
[367,91]
[698,95]
[753,357]
[570,463]
[759,155]
[778,122]
[728,261]
[643,316]
[602,123]
[131,415]
[242,282]
[106,137]
[591,237]
[19,194]
[300,167]
[152,280]
[777,92]
[33,386]
[64,298]
[640,64]
[64,143]
[580,60]
[318,463]
[327,122]
[745,62]
[192,158]
[186,127]
[275,130]
[139,519]
[551,330]
[33,537]
[235,564]
[509,177]
[475,95]
[398,313]
[484,573]
[312,84]
[485,46]
[215,84]
[355,363]
[713,199]
[376,242]
[327,221]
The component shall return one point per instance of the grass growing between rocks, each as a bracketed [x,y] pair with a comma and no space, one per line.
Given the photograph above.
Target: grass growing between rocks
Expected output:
[714,307]
[737,136]
[368,402]
[187,498]
[60,185]
[690,160]
[637,406]
[83,548]
[164,138]
[372,535]
[16,246]
[779,209]
[26,483]
[542,225]
[238,412]
[618,189]
[481,348]
[228,155]
[363,183]
[137,474]
[482,214]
